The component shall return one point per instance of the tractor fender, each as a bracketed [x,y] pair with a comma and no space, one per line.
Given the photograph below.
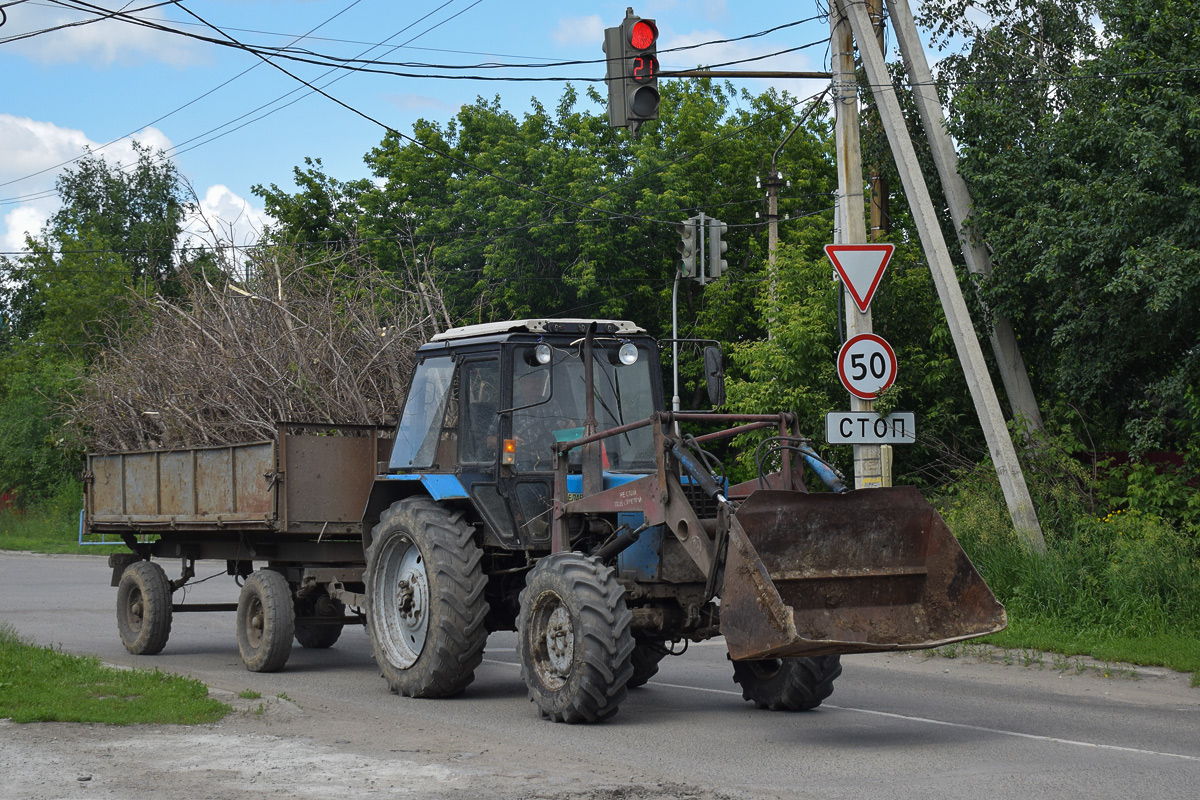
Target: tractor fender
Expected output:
[388,489]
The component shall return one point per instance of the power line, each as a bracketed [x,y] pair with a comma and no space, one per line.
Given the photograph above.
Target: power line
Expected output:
[171,113]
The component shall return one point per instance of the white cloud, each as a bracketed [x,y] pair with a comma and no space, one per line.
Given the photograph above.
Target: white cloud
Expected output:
[572,31]
[223,217]
[22,220]
[35,153]
[102,43]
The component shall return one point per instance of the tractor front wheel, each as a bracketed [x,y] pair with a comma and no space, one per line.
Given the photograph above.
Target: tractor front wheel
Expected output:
[574,639]
[787,684]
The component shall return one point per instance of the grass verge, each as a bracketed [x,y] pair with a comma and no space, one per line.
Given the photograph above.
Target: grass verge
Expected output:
[50,527]
[40,684]
[1119,585]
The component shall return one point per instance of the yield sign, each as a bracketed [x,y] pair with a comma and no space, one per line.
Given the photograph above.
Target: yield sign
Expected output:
[861,266]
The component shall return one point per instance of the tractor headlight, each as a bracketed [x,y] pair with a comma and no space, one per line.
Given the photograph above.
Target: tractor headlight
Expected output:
[628,354]
[541,353]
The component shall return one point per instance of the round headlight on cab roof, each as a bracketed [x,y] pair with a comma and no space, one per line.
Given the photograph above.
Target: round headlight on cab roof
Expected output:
[628,354]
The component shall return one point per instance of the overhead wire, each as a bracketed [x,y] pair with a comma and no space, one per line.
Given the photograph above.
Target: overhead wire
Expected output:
[169,114]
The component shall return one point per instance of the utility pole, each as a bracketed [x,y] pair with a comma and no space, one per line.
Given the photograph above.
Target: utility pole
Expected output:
[774,182]
[868,471]
[1013,372]
[987,405]
[880,212]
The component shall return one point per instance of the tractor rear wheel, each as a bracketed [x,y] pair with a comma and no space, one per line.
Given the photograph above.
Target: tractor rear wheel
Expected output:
[787,684]
[424,600]
[574,638]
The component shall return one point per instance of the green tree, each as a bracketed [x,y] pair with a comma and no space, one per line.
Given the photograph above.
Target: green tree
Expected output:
[1081,153]
[115,233]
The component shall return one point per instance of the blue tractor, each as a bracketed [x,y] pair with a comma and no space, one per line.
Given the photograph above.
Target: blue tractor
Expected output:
[539,483]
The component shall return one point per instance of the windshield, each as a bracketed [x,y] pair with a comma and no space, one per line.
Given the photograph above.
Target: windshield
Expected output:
[421,422]
[550,403]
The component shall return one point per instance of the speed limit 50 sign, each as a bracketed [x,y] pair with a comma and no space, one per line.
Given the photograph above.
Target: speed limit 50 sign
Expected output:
[867,365]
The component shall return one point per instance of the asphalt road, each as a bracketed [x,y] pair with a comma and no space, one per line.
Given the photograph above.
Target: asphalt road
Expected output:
[899,725]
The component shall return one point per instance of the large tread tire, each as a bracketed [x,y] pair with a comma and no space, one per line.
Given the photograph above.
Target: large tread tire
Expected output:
[319,636]
[266,621]
[144,608]
[425,603]
[787,684]
[574,639]
[645,660]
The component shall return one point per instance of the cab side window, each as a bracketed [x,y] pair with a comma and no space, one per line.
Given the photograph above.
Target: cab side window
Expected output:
[479,400]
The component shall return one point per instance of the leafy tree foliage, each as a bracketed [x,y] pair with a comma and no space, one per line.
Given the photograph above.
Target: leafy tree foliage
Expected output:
[1078,141]
[115,232]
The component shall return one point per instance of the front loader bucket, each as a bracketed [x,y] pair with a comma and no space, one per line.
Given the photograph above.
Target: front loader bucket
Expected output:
[866,571]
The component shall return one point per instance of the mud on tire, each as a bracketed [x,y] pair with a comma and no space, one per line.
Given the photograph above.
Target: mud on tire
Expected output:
[425,602]
[787,684]
[144,608]
[574,639]
[266,621]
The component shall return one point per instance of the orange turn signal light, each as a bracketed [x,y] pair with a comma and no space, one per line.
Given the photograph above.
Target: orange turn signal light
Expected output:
[508,455]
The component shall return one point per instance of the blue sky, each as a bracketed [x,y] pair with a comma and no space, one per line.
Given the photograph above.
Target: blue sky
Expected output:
[92,84]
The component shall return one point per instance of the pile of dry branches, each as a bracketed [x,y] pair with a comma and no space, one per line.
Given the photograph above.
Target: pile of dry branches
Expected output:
[326,343]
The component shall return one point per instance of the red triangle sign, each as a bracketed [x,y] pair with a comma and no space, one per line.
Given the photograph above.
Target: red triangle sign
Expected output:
[861,267]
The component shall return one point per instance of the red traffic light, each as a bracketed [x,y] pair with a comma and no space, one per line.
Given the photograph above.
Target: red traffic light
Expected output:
[643,35]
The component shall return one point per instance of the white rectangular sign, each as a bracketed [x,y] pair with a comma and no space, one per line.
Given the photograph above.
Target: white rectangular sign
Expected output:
[867,427]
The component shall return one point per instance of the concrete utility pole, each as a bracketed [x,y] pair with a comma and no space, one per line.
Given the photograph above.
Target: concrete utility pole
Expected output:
[852,229]
[987,405]
[1004,341]
[880,213]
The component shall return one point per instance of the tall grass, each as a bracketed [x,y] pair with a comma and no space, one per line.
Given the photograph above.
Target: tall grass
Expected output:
[1118,583]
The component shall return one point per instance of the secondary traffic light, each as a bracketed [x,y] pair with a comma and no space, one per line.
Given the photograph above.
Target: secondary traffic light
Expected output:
[716,248]
[689,243]
[632,72]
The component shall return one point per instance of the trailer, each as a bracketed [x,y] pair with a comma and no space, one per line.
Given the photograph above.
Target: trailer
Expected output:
[294,503]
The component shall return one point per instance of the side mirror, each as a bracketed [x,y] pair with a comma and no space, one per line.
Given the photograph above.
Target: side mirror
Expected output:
[714,375]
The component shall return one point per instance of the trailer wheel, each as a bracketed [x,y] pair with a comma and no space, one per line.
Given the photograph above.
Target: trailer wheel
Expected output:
[144,608]
[645,660]
[787,684]
[318,636]
[574,639]
[266,621]
[424,599]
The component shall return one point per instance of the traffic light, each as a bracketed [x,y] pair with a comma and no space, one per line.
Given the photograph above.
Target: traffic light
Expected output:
[689,242]
[640,38]
[716,248]
[632,73]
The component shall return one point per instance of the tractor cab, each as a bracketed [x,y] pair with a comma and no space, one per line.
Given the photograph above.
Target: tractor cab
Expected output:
[489,402]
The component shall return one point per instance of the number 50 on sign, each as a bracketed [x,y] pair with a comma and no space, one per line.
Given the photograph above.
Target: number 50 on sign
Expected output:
[867,365]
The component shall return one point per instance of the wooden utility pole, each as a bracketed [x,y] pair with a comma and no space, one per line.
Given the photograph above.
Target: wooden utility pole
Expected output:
[1013,373]
[987,405]
[851,229]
